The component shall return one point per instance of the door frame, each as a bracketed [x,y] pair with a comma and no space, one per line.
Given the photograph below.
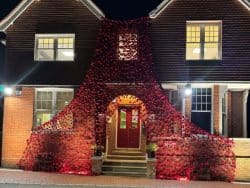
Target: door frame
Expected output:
[117,122]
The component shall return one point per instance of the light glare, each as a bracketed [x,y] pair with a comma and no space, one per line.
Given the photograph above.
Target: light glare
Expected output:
[8,91]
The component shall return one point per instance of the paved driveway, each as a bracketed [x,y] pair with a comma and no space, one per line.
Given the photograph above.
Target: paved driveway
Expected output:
[24,179]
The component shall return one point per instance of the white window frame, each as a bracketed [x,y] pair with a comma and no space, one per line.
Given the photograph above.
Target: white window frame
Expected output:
[202,25]
[212,106]
[53,108]
[55,49]
[224,108]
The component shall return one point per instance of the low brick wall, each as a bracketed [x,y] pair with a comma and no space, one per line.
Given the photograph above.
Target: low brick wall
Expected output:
[17,125]
[242,152]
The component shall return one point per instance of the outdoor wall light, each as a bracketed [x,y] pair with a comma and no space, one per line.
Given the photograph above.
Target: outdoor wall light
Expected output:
[188,90]
[18,91]
[8,90]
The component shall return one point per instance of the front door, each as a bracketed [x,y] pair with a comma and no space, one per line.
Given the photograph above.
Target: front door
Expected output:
[128,130]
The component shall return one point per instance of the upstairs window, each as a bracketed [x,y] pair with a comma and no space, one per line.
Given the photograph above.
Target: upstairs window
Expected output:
[54,47]
[128,46]
[203,41]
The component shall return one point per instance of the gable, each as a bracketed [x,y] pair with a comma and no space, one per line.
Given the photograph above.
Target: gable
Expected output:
[162,6]
[25,4]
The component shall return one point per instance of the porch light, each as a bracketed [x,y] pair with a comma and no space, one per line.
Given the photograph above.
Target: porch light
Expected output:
[188,90]
[18,91]
[8,90]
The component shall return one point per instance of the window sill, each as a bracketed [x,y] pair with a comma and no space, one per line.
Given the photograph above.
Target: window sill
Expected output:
[203,62]
[53,61]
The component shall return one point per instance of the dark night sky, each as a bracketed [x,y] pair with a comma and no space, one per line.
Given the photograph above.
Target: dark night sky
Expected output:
[113,9]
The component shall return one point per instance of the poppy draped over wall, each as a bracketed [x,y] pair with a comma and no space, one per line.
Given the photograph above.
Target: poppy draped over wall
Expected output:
[64,144]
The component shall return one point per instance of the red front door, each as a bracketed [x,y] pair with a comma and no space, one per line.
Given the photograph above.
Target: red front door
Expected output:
[128,130]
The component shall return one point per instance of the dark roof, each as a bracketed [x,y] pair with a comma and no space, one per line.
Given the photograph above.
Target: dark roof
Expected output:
[114,9]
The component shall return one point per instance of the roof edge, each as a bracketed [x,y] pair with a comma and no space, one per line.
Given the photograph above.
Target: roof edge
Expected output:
[94,9]
[24,4]
[164,4]
[14,14]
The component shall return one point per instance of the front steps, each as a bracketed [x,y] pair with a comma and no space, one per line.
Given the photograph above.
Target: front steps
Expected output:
[125,163]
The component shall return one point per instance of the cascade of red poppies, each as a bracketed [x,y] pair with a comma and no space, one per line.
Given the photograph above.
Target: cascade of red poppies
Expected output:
[184,150]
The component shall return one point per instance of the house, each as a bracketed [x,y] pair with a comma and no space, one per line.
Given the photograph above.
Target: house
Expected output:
[63,51]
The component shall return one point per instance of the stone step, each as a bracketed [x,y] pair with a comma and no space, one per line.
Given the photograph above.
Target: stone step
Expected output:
[136,163]
[124,168]
[126,157]
[128,152]
[130,174]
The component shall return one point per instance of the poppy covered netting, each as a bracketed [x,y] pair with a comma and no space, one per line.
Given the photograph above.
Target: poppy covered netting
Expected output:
[122,65]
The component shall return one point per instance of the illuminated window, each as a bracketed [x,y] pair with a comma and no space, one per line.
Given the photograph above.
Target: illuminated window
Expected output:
[203,41]
[127,46]
[50,101]
[54,47]
[123,117]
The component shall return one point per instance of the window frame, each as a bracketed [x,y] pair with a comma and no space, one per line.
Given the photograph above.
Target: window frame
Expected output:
[202,24]
[55,37]
[54,100]
[211,103]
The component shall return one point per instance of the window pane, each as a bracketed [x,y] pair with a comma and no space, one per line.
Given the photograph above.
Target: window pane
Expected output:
[199,91]
[123,119]
[45,43]
[47,95]
[193,51]
[199,99]
[203,99]
[209,91]
[209,99]
[42,117]
[194,99]
[39,105]
[65,43]
[44,100]
[63,99]
[198,106]
[45,54]
[211,51]
[65,54]
[208,106]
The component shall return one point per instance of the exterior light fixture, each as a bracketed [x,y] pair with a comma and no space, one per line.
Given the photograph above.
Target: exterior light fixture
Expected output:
[18,91]
[8,91]
[188,90]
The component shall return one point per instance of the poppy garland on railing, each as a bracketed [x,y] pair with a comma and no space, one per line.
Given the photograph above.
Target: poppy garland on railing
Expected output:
[122,65]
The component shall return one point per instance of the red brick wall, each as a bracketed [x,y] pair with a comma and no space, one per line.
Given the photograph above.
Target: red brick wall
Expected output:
[188,106]
[216,109]
[17,124]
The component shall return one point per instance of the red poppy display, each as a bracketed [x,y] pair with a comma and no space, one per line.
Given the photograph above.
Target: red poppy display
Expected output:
[184,150]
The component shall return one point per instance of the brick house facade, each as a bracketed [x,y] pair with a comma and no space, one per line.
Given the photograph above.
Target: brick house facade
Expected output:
[219,99]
